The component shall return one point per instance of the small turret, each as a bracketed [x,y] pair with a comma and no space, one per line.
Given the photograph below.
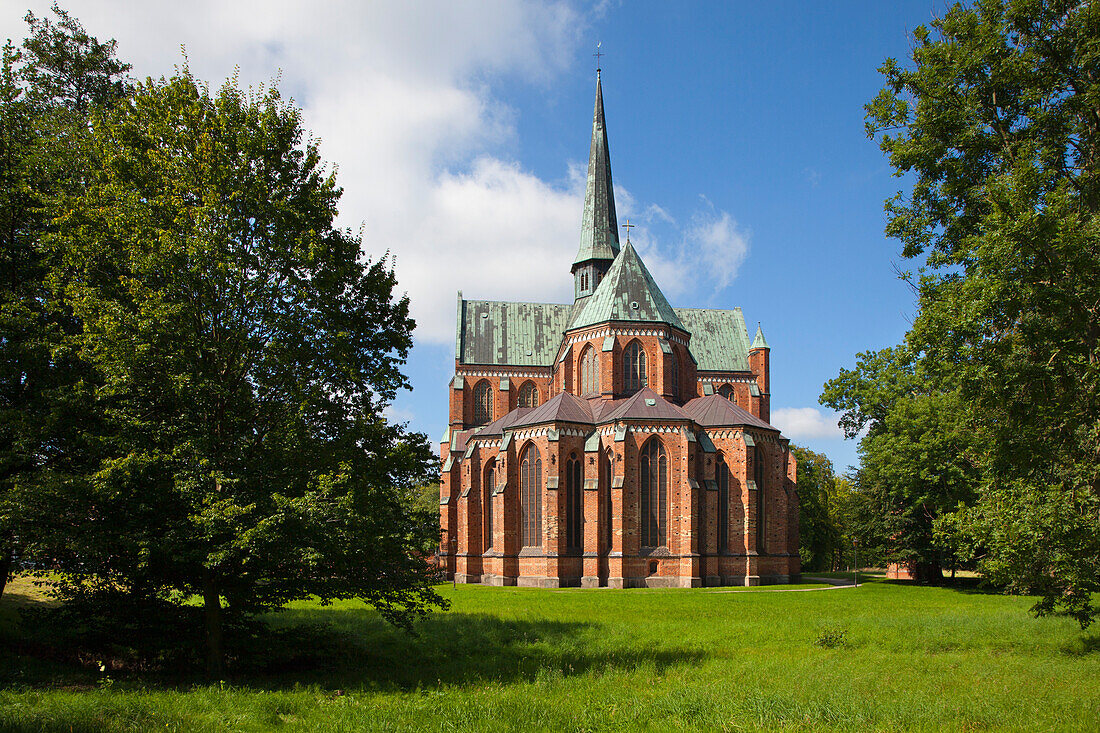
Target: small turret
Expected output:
[760,364]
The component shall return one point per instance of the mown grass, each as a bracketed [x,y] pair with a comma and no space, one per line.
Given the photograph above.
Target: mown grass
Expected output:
[910,658]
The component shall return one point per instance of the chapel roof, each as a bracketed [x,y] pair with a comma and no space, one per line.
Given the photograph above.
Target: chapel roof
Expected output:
[716,411]
[627,293]
[645,404]
[501,424]
[719,338]
[562,407]
[507,331]
[599,225]
[501,332]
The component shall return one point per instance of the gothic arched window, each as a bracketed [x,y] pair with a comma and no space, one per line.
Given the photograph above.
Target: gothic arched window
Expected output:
[590,372]
[761,504]
[609,506]
[528,395]
[722,474]
[634,370]
[574,505]
[487,503]
[674,373]
[654,470]
[530,497]
[726,391]
[483,403]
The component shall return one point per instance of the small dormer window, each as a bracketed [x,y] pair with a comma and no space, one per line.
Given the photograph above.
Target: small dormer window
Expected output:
[584,280]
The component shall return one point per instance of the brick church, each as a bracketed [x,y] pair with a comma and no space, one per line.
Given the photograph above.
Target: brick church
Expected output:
[615,440]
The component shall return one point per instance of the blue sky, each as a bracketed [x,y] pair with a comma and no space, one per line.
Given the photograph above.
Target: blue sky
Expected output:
[736,135]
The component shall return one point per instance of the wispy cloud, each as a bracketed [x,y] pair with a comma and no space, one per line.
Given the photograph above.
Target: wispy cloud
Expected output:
[703,255]
[802,423]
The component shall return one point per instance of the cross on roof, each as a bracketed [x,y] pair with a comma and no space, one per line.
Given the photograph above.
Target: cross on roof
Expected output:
[597,55]
[628,226]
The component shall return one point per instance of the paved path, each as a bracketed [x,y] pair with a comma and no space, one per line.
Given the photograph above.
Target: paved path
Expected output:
[834,584]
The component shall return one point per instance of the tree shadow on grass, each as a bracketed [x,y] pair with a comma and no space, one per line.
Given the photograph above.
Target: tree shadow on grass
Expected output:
[333,648]
[973,586]
[1083,646]
[351,649]
[969,586]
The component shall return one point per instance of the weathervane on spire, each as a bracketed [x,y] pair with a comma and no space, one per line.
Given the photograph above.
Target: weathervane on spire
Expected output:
[597,56]
[628,226]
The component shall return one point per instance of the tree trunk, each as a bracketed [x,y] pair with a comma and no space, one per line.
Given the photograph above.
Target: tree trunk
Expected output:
[929,572]
[8,554]
[212,606]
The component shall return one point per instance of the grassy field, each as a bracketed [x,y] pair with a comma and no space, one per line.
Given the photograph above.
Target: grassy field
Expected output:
[895,657]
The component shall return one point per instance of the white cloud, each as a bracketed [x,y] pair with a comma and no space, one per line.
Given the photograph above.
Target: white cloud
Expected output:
[396,414]
[801,423]
[401,96]
[704,255]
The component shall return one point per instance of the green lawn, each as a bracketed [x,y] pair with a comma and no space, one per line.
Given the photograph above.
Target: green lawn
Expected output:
[524,659]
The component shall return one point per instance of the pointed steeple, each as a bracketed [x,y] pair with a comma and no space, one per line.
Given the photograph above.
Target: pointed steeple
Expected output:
[599,225]
[759,342]
[627,293]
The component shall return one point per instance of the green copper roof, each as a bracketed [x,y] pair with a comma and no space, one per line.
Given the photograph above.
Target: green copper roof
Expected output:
[627,293]
[719,339]
[759,342]
[599,226]
[502,332]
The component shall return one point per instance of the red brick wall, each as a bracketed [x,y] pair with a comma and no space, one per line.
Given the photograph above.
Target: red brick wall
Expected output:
[504,401]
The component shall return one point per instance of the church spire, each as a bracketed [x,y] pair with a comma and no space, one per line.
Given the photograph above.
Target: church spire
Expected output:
[599,226]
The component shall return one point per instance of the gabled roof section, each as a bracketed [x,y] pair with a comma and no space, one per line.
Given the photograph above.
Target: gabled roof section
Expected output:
[501,424]
[645,404]
[627,293]
[562,407]
[599,225]
[459,440]
[716,411]
[719,339]
[501,332]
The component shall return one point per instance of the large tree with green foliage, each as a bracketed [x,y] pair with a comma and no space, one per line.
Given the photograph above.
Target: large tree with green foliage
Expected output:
[47,89]
[820,511]
[246,350]
[997,123]
[916,457]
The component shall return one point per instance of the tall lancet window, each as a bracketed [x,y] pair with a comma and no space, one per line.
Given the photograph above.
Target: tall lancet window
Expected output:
[761,501]
[574,505]
[726,391]
[528,395]
[634,369]
[608,505]
[590,372]
[674,374]
[530,497]
[483,403]
[487,503]
[722,474]
[654,494]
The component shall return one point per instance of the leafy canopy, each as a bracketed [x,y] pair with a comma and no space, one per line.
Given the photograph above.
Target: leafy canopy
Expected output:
[996,122]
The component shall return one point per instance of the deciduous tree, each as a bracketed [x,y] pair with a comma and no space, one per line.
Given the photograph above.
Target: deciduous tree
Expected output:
[916,457]
[47,89]
[246,349]
[997,122]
